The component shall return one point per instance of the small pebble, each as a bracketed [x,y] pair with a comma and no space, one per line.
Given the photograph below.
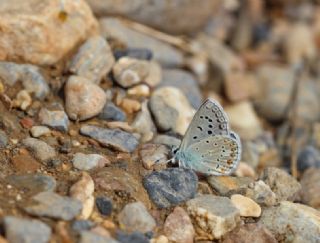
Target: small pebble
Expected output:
[246,206]
[55,119]
[89,161]
[23,100]
[130,105]
[38,131]
[90,237]
[42,150]
[308,157]
[111,112]
[153,155]
[135,237]
[141,90]
[3,139]
[104,205]
[81,225]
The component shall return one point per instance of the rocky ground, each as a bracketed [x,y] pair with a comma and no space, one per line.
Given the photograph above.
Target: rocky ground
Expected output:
[91,104]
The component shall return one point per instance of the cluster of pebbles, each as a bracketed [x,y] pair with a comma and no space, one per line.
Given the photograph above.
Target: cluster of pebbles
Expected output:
[90,108]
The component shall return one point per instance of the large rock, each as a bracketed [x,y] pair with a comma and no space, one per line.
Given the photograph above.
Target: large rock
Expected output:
[53,29]
[164,15]
[162,52]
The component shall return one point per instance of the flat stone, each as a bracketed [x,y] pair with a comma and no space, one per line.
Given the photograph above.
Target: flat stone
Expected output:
[140,90]
[135,217]
[38,131]
[93,60]
[25,163]
[153,155]
[310,183]
[247,207]
[3,139]
[249,233]
[55,119]
[215,215]
[261,193]
[137,53]
[50,204]
[171,110]
[114,138]
[89,161]
[171,186]
[308,157]
[47,41]
[228,185]
[281,183]
[41,150]
[164,53]
[167,140]
[184,81]
[292,222]
[178,227]
[83,99]
[143,124]
[104,205]
[111,112]
[135,237]
[82,225]
[32,183]
[89,237]
[26,230]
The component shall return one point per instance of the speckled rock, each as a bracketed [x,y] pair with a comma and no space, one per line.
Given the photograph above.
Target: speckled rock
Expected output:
[261,193]
[281,183]
[163,52]
[42,151]
[178,227]
[19,230]
[114,138]
[214,215]
[89,237]
[83,99]
[184,81]
[111,112]
[93,60]
[171,110]
[247,207]
[171,186]
[50,204]
[38,131]
[89,161]
[52,29]
[55,119]
[310,183]
[135,217]
[143,124]
[249,233]
[292,222]
[153,155]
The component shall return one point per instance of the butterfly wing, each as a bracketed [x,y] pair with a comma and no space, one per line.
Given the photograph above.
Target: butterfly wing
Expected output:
[209,120]
[215,155]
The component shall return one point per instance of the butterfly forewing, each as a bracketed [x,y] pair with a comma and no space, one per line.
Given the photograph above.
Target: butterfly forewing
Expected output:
[209,120]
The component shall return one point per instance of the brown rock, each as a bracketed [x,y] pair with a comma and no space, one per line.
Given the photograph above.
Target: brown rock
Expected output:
[178,227]
[52,29]
[25,163]
[153,155]
[247,207]
[310,183]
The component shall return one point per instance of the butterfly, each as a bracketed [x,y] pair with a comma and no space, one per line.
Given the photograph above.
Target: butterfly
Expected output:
[209,146]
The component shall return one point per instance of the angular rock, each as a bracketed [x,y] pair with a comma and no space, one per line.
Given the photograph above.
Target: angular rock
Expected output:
[153,155]
[115,138]
[184,81]
[104,205]
[55,119]
[292,222]
[50,204]
[215,215]
[93,60]
[52,29]
[228,185]
[135,217]
[163,52]
[281,183]
[308,157]
[111,112]
[89,237]
[310,183]
[178,227]
[171,186]
[38,131]
[26,230]
[42,151]
[261,193]
[84,99]
[171,110]
[247,207]
[249,233]
[89,161]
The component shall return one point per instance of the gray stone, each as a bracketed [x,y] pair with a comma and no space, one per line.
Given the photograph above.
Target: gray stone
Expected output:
[167,140]
[135,237]
[89,161]
[111,112]
[184,81]
[261,193]
[310,183]
[171,186]
[215,215]
[41,150]
[135,217]
[38,131]
[89,237]
[50,204]
[153,155]
[292,222]
[30,76]
[137,53]
[163,52]
[281,183]
[115,138]
[32,183]
[3,139]
[20,230]
[93,60]
[82,225]
[55,119]
[308,157]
